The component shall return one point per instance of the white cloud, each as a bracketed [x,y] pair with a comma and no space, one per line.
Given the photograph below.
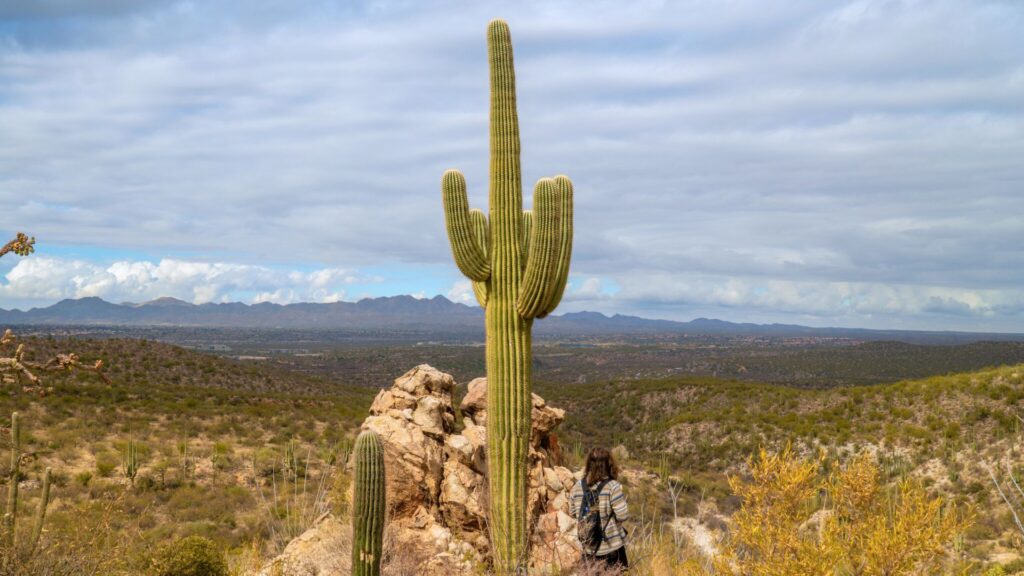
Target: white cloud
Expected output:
[462,292]
[587,290]
[868,304]
[771,156]
[41,278]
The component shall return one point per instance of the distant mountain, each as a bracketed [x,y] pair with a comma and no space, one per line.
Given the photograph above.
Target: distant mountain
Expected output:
[396,312]
[436,315]
[167,302]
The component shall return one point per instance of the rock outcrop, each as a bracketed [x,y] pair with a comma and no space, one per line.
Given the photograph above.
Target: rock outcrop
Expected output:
[437,487]
[323,550]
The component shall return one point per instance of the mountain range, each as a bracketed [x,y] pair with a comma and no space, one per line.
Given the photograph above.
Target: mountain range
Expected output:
[430,315]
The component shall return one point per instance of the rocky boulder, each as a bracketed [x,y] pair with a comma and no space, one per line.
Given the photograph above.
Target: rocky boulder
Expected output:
[323,550]
[437,488]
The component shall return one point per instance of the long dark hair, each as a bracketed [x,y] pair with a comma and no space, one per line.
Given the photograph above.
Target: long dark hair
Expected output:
[600,466]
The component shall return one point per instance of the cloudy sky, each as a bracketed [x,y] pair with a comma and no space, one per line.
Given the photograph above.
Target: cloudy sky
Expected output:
[844,163]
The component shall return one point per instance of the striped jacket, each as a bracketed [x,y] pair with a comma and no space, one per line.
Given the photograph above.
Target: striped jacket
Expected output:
[612,504]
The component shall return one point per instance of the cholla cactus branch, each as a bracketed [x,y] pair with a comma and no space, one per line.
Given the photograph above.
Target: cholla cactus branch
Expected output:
[15,368]
[22,245]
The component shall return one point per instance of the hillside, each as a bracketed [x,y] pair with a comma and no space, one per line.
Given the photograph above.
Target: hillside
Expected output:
[945,429]
[713,424]
[216,438]
[227,445]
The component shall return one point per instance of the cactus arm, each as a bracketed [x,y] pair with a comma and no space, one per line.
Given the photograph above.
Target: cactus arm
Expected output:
[368,505]
[10,515]
[44,501]
[542,263]
[565,246]
[527,231]
[469,256]
[482,293]
[480,230]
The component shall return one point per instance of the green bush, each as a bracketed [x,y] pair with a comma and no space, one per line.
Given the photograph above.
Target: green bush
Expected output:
[105,465]
[191,556]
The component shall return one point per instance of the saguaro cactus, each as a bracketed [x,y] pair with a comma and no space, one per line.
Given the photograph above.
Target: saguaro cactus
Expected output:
[130,461]
[11,511]
[368,505]
[518,262]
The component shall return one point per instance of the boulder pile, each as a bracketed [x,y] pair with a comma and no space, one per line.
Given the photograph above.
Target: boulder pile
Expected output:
[436,478]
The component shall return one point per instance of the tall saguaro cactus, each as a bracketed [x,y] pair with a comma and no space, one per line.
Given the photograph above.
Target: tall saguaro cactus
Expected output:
[368,506]
[518,262]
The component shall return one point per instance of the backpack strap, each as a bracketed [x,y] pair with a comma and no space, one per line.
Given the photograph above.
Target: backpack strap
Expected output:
[611,512]
[584,500]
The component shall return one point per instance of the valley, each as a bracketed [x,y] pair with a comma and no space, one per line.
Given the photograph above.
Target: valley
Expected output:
[235,449]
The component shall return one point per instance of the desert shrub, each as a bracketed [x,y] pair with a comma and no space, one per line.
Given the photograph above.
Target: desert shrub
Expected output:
[865,525]
[191,556]
[105,465]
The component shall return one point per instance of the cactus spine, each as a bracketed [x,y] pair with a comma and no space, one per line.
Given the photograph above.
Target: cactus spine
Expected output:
[518,262]
[368,505]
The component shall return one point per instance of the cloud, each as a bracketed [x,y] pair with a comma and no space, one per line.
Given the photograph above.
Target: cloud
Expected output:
[868,304]
[42,278]
[57,9]
[462,292]
[785,148]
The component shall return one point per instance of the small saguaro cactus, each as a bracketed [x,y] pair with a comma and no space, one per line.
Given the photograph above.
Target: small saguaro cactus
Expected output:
[130,461]
[368,506]
[518,262]
[11,511]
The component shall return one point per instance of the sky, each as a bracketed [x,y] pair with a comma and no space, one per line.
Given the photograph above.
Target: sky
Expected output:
[828,163]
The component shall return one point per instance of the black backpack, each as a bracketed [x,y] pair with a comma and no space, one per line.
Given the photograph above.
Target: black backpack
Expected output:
[589,529]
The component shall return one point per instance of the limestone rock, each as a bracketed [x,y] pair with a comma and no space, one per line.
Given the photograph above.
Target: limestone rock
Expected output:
[702,537]
[412,418]
[554,542]
[323,550]
[437,486]
[462,498]
[474,403]
[543,418]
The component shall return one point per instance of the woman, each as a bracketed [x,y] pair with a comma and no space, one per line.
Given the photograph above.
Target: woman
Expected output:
[599,486]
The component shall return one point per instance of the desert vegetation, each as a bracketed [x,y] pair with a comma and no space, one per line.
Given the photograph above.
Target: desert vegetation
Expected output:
[226,454]
[175,444]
